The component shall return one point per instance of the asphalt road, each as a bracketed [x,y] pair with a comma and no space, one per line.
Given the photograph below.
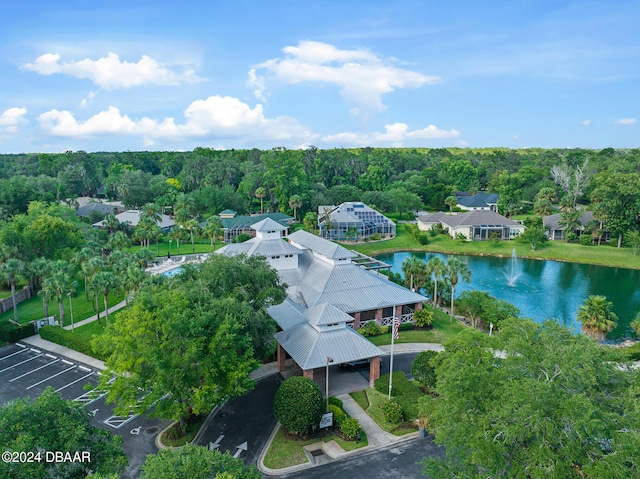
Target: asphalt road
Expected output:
[399,461]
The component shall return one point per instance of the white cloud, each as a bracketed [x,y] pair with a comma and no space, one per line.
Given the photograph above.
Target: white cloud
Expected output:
[626,121]
[395,133]
[363,77]
[258,83]
[215,117]
[11,118]
[586,122]
[111,73]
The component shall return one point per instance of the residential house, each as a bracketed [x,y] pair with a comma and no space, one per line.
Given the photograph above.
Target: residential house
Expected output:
[476,225]
[479,201]
[353,221]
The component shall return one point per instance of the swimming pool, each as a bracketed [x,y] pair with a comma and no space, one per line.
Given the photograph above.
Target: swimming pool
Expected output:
[172,272]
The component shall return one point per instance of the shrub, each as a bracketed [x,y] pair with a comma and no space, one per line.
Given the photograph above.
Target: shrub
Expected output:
[423,371]
[423,238]
[586,240]
[57,335]
[392,412]
[406,326]
[411,229]
[423,318]
[370,329]
[461,237]
[11,333]
[298,404]
[241,238]
[350,427]
[335,401]
[571,237]
[375,237]
[338,414]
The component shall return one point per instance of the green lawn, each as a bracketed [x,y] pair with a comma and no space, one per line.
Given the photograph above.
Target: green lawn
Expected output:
[32,308]
[442,330]
[286,451]
[375,400]
[605,255]
[200,245]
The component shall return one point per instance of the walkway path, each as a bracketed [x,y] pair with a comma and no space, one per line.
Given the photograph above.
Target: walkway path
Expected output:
[376,436]
[90,319]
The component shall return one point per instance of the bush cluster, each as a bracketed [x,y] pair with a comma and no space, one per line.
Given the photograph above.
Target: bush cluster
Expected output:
[298,405]
[350,427]
[423,318]
[422,369]
[403,391]
[392,412]
[11,333]
[57,335]
[419,236]
[338,414]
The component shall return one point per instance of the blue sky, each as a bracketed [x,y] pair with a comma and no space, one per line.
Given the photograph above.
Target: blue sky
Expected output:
[165,75]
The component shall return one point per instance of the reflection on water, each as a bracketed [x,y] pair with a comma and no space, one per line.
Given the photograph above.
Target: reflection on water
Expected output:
[548,289]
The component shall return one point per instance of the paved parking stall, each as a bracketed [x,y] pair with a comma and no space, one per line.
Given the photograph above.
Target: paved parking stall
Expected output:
[25,371]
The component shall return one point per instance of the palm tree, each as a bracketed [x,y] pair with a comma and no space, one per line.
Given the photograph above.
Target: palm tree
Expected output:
[451,201]
[295,202]
[261,193]
[456,270]
[192,225]
[47,294]
[119,241]
[438,268]
[177,234]
[213,228]
[111,222]
[9,272]
[103,282]
[415,272]
[596,317]
[133,279]
[37,270]
[61,282]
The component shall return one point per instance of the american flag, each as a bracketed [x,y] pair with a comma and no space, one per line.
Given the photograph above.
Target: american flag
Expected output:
[396,327]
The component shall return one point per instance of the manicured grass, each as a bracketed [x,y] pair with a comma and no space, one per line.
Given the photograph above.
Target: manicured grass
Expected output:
[285,451]
[200,245]
[32,308]
[376,400]
[442,330]
[604,255]
[361,398]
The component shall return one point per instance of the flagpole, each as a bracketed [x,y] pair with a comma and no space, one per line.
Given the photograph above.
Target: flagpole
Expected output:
[393,334]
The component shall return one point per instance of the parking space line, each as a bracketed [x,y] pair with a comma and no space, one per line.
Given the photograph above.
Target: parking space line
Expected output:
[13,354]
[21,345]
[50,356]
[84,368]
[67,362]
[51,377]
[72,383]
[117,422]
[34,370]
[25,361]
[35,350]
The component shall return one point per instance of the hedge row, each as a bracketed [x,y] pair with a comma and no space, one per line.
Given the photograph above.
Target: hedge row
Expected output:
[57,335]
[11,333]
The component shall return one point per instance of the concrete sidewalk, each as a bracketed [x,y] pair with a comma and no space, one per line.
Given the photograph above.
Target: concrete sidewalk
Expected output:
[93,318]
[37,342]
[376,436]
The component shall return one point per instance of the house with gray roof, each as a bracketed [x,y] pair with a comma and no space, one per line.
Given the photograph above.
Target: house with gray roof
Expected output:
[476,225]
[329,296]
[234,225]
[479,201]
[132,218]
[555,231]
[353,220]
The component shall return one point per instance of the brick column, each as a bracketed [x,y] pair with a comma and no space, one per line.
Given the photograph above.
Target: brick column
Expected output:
[308,373]
[282,358]
[379,316]
[356,321]
[399,312]
[418,306]
[374,370]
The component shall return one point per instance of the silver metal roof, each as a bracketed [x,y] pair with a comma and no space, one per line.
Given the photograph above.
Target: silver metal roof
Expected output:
[310,348]
[268,224]
[321,246]
[325,314]
[287,314]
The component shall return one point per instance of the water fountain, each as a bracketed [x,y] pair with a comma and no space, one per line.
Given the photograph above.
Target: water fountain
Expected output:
[511,274]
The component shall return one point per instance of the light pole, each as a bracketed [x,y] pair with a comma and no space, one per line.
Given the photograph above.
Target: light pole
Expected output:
[73,329]
[329,360]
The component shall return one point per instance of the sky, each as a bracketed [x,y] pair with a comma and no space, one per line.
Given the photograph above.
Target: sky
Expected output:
[165,75]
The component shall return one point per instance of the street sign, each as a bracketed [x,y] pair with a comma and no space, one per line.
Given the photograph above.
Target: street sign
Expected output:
[327,420]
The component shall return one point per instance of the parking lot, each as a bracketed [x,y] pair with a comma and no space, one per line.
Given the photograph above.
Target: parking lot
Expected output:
[26,371]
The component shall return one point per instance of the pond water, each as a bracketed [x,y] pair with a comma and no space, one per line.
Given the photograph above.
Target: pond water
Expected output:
[547,289]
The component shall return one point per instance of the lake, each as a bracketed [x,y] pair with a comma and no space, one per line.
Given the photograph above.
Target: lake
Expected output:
[547,289]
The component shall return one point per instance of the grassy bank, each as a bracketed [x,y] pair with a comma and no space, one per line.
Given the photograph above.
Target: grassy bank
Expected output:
[604,255]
